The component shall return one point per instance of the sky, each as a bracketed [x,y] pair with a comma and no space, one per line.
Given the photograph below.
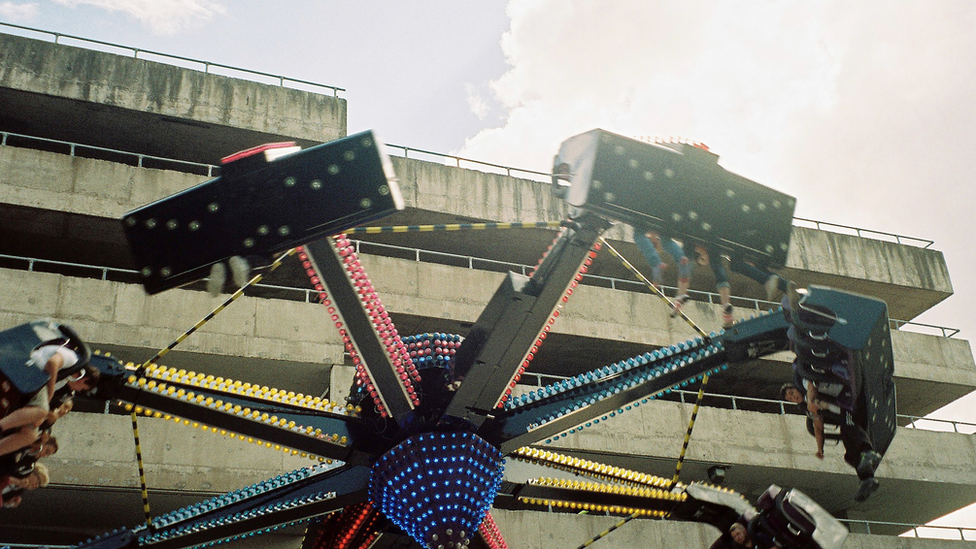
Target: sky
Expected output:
[861,110]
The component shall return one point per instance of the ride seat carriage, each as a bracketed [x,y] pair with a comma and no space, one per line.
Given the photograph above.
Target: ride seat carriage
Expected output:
[789,518]
[844,339]
[19,378]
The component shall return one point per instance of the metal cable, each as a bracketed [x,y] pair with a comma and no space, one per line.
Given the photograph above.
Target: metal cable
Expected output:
[257,278]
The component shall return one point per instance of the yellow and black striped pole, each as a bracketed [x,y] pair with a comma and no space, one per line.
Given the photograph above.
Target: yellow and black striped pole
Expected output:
[657,291]
[607,532]
[142,472]
[455,227]
[240,291]
[691,427]
[701,391]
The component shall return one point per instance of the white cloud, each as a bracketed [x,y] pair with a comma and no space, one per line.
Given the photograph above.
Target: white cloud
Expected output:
[161,16]
[18,13]
[477,103]
[703,69]
[861,110]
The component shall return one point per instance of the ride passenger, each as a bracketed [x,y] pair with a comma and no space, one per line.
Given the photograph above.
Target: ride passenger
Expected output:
[858,451]
[650,243]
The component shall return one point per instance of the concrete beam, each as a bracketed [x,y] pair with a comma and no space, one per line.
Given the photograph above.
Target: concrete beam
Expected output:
[95,477]
[596,325]
[265,341]
[909,278]
[522,529]
[924,474]
[59,182]
[184,465]
[123,103]
[930,371]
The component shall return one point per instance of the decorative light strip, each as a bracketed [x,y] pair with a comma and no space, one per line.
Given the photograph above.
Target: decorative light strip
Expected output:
[617,490]
[170,391]
[354,521]
[490,534]
[437,487]
[587,378]
[625,384]
[192,511]
[592,507]
[591,468]
[380,318]
[541,336]
[248,390]
[432,350]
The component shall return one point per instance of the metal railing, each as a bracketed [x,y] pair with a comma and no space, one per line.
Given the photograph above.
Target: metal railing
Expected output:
[866,233]
[922,327]
[912,530]
[508,170]
[457,160]
[756,404]
[139,159]
[477,263]
[206,66]
[542,177]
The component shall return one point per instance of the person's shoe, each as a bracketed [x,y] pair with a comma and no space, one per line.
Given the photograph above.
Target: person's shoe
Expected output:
[216,280]
[771,285]
[727,319]
[868,486]
[240,270]
[869,462]
[678,303]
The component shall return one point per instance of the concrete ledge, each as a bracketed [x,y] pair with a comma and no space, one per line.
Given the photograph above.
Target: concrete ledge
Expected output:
[95,475]
[924,474]
[535,530]
[270,342]
[475,194]
[125,83]
[910,279]
[52,181]
[97,450]
[930,371]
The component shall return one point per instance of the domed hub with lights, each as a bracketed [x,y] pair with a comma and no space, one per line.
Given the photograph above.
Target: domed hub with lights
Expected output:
[437,487]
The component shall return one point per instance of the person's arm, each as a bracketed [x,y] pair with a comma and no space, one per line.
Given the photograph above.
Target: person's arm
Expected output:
[818,433]
[812,398]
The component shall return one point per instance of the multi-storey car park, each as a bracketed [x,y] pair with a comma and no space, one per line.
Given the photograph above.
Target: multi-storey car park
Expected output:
[90,135]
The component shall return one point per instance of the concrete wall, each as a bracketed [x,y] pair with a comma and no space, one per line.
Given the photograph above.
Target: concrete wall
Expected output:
[120,314]
[475,194]
[51,181]
[116,81]
[924,474]
[521,531]
[910,279]
[930,370]
[460,294]
[116,313]
[98,450]
[859,264]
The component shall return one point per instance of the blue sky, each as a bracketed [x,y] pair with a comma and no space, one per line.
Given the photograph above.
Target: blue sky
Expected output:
[863,111]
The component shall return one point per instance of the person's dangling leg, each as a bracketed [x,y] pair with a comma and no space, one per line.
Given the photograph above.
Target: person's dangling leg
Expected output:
[684,280]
